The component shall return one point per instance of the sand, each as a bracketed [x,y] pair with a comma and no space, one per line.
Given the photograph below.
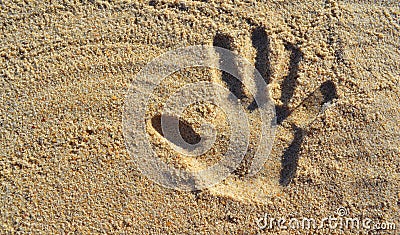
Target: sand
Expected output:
[332,69]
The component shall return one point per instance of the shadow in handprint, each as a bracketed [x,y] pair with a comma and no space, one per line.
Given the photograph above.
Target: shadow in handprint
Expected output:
[234,85]
[328,91]
[289,83]
[185,129]
[315,104]
[261,43]
[290,157]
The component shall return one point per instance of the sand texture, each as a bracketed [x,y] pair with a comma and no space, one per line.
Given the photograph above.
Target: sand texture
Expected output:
[333,73]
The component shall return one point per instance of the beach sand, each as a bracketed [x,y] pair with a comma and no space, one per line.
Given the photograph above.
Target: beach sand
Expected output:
[332,69]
